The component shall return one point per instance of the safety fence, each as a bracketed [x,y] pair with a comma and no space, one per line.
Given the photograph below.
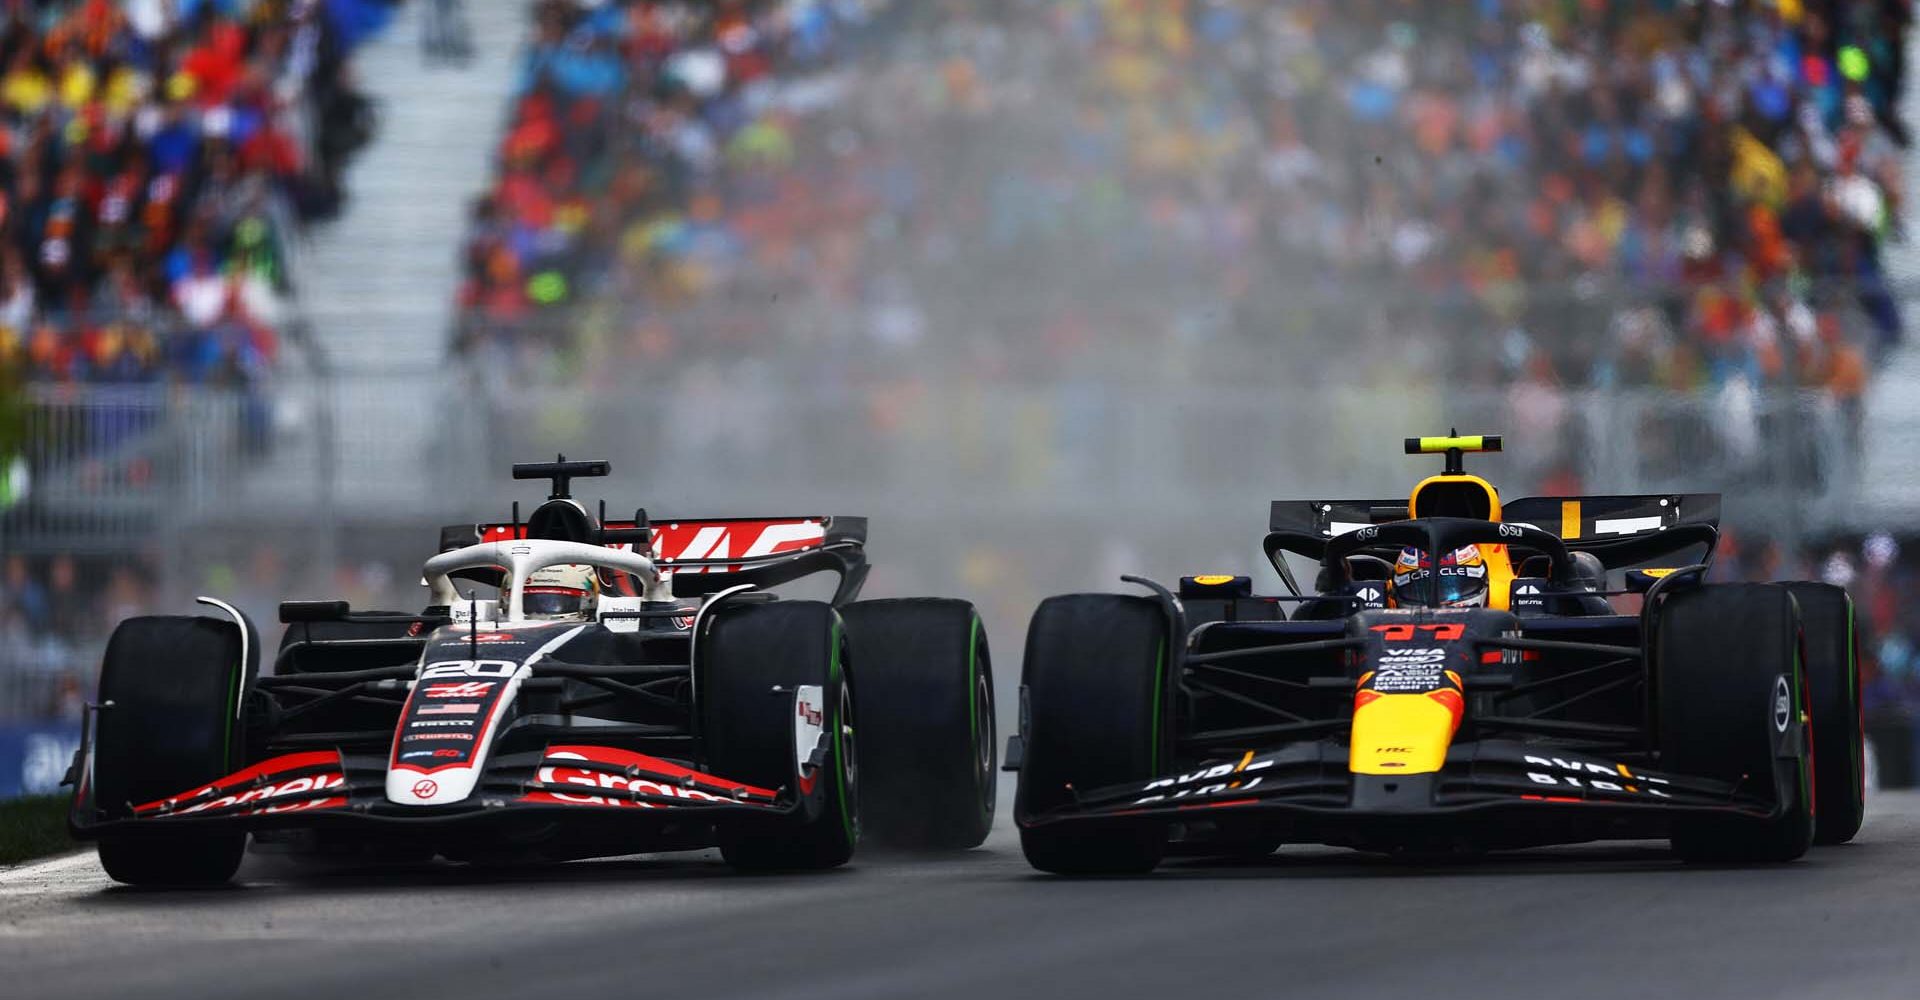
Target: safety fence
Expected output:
[1146,450]
[110,464]
[106,464]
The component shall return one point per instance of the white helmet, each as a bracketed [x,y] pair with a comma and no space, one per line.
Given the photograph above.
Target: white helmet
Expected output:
[569,590]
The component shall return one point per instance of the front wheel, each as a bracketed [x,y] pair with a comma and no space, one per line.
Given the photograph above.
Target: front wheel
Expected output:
[1730,703]
[926,691]
[169,688]
[772,676]
[1095,669]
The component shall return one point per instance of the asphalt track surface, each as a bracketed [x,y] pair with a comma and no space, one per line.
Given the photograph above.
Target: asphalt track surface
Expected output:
[1593,921]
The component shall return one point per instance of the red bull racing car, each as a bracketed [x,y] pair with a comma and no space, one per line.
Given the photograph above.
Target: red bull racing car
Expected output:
[1491,697]
[575,687]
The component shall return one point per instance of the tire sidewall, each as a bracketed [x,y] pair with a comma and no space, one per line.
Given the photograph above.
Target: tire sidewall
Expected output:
[170,692]
[1092,684]
[926,691]
[1831,665]
[752,660]
[1722,654]
[161,732]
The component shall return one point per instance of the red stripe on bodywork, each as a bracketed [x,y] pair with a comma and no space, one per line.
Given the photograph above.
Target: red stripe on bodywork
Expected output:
[1219,805]
[260,784]
[647,775]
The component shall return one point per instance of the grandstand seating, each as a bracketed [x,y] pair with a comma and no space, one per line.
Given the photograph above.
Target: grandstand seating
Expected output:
[155,162]
[1672,195]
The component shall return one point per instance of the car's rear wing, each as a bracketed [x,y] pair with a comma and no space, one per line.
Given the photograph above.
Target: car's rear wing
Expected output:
[702,556]
[1622,530]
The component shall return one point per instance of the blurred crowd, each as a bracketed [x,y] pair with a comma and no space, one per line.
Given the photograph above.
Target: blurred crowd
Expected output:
[1511,193]
[157,158]
[634,128]
[57,611]
[1881,571]
[55,615]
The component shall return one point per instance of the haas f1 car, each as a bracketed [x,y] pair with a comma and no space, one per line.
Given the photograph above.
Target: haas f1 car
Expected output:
[629,686]
[1459,680]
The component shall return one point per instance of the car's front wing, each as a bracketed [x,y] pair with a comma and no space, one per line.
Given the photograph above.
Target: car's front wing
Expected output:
[561,782]
[1491,793]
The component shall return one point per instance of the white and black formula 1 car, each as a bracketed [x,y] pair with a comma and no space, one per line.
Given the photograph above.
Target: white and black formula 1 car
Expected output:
[629,686]
[1457,680]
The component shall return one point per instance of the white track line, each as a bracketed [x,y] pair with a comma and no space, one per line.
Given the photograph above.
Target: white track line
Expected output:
[49,868]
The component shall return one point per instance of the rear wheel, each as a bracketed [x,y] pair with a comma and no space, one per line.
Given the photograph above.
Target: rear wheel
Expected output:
[169,687]
[1729,701]
[747,653]
[1092,679]
[926,696]
[1833,693]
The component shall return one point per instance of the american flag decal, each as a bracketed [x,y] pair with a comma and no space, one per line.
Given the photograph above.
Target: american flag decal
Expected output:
[468,708]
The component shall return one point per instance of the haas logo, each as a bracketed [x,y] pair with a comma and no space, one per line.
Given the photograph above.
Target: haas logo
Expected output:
[425,788]
[469,689]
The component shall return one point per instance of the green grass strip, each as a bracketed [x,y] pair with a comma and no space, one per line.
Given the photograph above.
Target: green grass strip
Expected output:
[32,828]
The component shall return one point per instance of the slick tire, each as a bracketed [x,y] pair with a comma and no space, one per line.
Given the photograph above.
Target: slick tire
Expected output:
[168,690]
[1833,692]
[1722,653]
[927,776]
[1094,670]
[746,653]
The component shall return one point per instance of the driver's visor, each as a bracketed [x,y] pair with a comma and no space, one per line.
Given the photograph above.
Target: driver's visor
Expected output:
[553,601]
[1454,590]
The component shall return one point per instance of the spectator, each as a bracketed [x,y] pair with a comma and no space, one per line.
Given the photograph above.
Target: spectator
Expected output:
[1532,192]
[25,595]
[152,158]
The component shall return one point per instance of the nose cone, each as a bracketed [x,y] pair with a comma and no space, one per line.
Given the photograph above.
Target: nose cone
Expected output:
[1403,733]
[410,787]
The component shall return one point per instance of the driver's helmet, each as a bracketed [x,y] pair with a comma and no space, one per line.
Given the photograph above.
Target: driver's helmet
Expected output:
[569,590]
[1463,579]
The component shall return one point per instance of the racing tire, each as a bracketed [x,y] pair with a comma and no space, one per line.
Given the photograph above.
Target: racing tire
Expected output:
[753,658]
[927,777]
[1833,694]
[1722,651]
[169,686]
[1092,681]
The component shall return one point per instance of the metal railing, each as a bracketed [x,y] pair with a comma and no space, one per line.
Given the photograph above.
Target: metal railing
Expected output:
[112,461]
[1144,450]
